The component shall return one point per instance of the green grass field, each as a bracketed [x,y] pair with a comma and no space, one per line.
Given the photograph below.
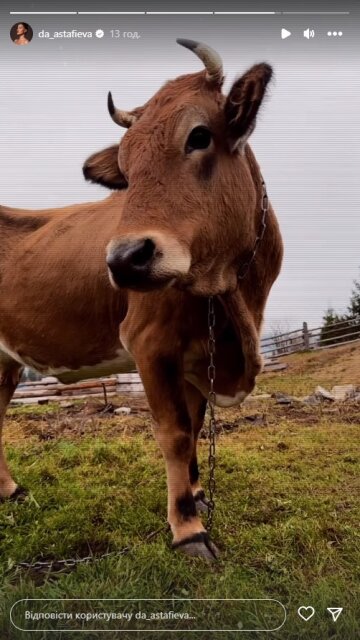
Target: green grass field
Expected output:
[287,513]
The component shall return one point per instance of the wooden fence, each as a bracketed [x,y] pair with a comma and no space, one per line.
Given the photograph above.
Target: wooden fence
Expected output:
[342,332]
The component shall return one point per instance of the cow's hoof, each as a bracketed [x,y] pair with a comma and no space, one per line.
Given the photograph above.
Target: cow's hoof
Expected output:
[198,545]
[201,502]
[19,494]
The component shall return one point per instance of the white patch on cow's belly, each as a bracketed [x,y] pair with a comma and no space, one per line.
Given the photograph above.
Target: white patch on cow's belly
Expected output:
[230,401]
[122,363]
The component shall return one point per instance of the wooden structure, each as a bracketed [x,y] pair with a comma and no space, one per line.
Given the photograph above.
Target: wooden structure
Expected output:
[49,389]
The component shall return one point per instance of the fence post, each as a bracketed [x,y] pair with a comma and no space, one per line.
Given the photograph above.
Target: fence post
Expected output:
[305,332]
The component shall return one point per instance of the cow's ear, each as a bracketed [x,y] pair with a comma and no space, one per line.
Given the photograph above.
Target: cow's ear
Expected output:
[243,103]
[103,168]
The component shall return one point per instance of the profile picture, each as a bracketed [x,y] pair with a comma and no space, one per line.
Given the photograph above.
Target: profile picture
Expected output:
[21,33]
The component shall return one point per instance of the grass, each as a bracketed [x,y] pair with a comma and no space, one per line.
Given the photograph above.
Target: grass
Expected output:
[287,518]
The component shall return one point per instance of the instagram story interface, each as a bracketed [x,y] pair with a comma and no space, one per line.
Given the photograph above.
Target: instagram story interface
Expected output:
[179,320]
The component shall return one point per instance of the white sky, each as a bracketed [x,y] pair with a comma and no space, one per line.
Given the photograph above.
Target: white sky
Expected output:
[53,115]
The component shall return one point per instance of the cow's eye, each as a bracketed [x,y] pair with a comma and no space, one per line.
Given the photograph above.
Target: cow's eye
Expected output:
[199,138]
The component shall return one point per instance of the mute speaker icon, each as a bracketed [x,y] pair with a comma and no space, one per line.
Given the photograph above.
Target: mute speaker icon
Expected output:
[309,33]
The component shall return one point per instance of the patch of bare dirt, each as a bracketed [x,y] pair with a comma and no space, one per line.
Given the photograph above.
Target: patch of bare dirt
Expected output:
[85,419]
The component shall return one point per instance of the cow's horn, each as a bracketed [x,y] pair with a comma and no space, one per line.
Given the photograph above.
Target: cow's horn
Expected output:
[209,57]
[122,118]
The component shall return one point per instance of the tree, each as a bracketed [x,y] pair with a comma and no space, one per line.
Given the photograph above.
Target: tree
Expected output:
[354,310]
[354,306]
[335,328]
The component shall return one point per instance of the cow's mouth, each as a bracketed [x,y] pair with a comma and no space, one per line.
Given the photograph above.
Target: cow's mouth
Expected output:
[140,281]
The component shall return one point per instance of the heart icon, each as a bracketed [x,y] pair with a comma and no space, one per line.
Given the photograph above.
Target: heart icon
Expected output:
[306,613]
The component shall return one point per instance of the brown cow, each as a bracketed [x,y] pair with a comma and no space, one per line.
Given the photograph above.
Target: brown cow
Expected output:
[182,222]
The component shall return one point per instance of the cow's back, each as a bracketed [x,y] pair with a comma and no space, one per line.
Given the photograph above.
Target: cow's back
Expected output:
[57,306]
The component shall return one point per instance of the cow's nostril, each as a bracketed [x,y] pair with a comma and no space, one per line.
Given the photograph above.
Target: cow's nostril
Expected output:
[131,256]
[143,254]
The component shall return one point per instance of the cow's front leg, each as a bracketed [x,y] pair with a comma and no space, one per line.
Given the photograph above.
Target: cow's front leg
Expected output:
[163,380]
[196,404]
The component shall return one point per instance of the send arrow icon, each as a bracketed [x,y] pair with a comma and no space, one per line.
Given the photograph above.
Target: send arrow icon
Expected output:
[335,612]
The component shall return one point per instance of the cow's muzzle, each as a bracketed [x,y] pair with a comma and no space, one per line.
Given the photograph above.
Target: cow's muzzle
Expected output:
[146,263]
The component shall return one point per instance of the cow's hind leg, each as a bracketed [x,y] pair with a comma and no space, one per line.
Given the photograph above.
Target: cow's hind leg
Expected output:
[197,407]
[10,372]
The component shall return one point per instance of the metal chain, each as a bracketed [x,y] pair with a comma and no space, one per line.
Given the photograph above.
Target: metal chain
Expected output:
[212,422]
[59,566]
[211,368]
[264,210]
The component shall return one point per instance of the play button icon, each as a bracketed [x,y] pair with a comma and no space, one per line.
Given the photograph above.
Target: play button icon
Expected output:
[285,34]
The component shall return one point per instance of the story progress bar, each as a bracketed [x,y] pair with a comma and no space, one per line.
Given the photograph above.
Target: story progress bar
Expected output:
[180,13]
